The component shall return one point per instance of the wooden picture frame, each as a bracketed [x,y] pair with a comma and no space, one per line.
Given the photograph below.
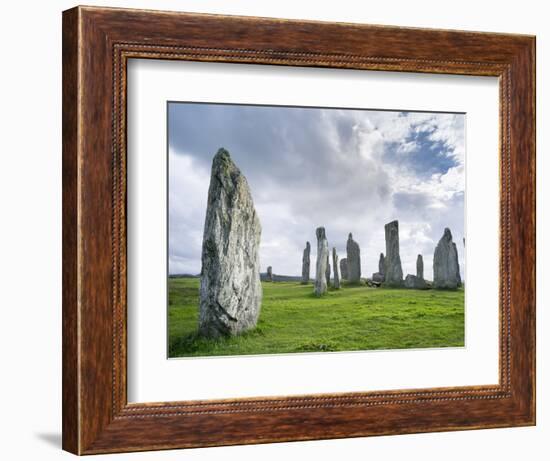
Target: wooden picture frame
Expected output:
[97,43]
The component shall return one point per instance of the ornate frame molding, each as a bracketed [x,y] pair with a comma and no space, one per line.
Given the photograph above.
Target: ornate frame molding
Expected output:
[97,43]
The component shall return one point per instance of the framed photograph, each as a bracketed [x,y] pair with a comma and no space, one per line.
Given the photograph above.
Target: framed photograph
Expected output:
[281,230]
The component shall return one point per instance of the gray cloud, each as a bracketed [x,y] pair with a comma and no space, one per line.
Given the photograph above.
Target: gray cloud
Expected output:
[317,167]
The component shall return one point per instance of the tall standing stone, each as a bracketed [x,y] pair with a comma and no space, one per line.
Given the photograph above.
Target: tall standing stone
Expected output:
[269,274]
[321,265]
[446,269]
[458,279]
[344,268]
[335,269]
[417,281]
[420,267]
[306,263]
[382,264]
[230,288]
[327,273]
[378,277]
[353,260]
[393,273]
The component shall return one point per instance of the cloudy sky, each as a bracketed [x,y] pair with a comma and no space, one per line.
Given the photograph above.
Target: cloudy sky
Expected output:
[346,170]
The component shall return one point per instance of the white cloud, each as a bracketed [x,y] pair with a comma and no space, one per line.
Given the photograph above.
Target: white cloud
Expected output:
[188,191]
[349,171]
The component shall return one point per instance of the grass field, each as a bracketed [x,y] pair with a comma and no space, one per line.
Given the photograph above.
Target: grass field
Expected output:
[354,318]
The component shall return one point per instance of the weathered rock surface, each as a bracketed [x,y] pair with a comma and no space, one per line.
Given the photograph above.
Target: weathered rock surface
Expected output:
[420,267]
[230,289]
[382,264]
[327,273]
[320,287]
[378,277]
[306,263]
[446,268]
[417,281]
[269,277]
[393,272]
[458,278]
[413,281]
[335,269]
[353,260]
[344,268]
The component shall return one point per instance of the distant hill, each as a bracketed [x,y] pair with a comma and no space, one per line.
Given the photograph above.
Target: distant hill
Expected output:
[280,278]
[263,277]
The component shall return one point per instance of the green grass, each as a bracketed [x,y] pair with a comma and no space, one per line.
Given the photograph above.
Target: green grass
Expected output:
[353,318]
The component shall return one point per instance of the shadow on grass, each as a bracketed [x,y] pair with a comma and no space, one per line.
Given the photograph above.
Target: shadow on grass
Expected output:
[195,342]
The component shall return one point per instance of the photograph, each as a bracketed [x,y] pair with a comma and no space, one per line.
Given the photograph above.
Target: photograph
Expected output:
[278,224]
[314,229]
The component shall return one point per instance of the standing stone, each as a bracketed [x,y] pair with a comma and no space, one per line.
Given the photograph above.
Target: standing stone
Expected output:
[446,269]
[335,269]
[393,272]
[327,273]
[269,277]
[321,266]
[458,279]
[382,264]
[306,263]
[378,277]
[230,288]
[344,268]
[412,281]
[417,281]
[354,260]
[420,267]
